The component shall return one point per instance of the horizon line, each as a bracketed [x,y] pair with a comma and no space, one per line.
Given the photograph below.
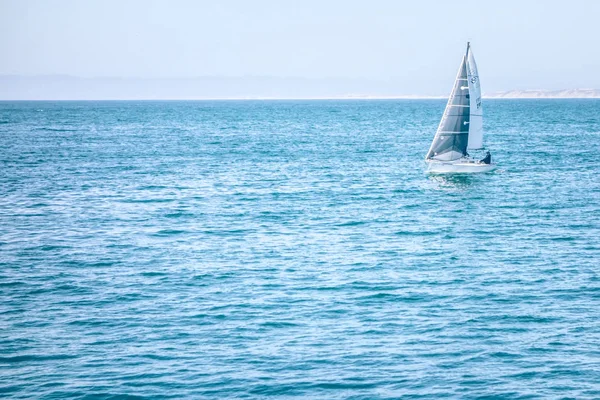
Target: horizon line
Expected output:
[310,98]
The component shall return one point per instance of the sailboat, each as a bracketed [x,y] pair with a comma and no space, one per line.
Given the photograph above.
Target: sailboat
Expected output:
[461,127]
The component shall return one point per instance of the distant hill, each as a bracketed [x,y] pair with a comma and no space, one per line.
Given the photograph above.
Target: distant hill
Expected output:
[546,94]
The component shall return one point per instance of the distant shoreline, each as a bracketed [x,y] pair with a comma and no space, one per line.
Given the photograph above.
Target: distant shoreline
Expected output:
[304,98]
[62,87]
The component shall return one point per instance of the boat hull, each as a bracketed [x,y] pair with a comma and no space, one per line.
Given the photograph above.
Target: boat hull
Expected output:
[459,167]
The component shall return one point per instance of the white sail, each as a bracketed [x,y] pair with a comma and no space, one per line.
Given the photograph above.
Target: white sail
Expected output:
[476,109]
[450,141]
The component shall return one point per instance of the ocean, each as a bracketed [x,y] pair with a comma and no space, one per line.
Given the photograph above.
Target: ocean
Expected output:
[296,249]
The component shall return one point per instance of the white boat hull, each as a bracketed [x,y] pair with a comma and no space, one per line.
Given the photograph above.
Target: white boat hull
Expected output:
[461,166]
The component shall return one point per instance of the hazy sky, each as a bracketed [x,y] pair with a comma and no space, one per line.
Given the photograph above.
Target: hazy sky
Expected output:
[518,44]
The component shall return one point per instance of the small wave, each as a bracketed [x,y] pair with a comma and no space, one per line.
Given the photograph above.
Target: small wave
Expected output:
[36,205]
[280,324]
[169,232]
[153,273]
[87,395]
[352,223]
[504,354]
[152,187]
[179,214]
[34,357]
[12,284]
[147,201]
[563,239]
[56,129]
[48,247]
[417,233]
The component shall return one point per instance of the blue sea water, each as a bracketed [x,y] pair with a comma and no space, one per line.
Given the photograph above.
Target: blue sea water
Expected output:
[253,249]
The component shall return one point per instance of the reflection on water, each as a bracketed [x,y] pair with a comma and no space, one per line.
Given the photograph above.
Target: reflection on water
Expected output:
[452,181]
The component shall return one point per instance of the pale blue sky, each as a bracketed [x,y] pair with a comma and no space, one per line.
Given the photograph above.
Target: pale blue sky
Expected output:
[518,44]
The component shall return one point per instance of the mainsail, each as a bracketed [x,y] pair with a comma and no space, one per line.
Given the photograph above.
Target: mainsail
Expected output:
[451,139]
[476,110]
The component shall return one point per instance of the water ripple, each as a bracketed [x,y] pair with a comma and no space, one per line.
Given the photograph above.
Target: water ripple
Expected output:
[296,249]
